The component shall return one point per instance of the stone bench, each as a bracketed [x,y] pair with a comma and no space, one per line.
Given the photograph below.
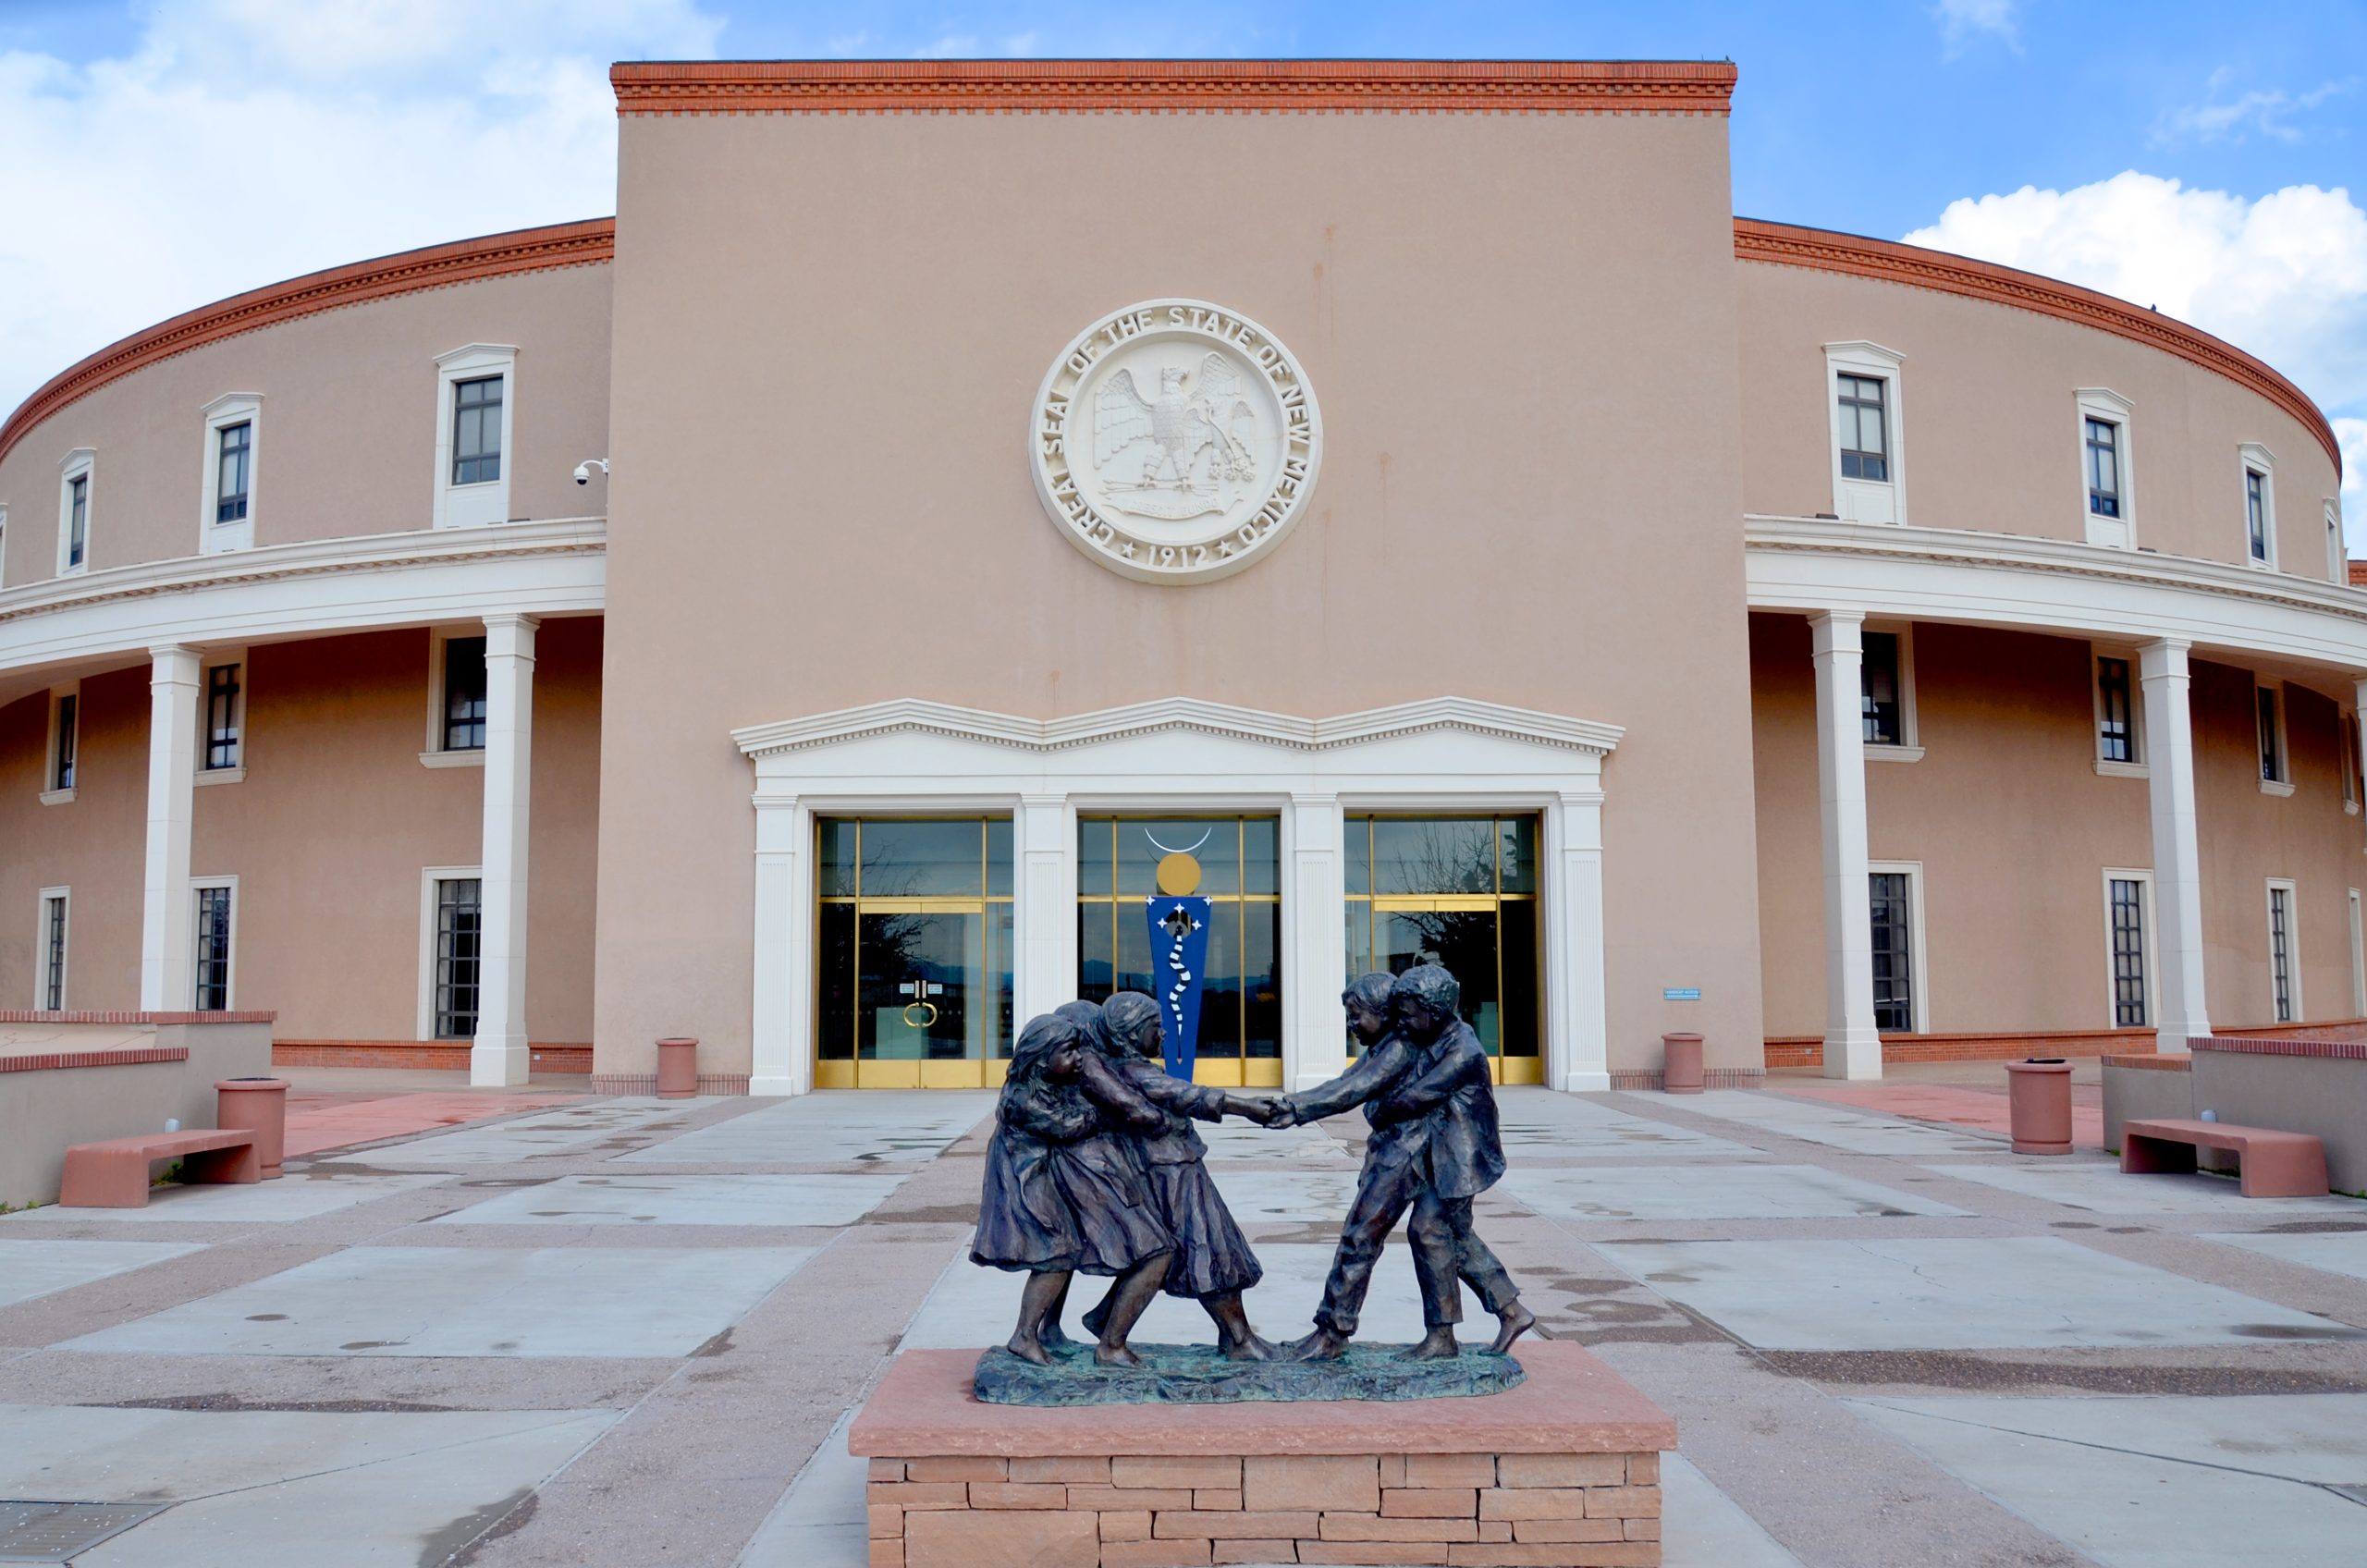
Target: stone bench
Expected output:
[1561,1472]
[113,1173]
[2272,1164]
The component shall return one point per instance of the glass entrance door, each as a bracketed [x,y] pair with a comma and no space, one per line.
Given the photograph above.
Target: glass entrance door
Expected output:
[913,966]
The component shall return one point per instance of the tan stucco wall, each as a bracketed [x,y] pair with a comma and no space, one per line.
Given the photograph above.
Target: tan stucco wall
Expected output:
[327,835]
[347,439]
[828,330]
[2013,830]
[1990,422]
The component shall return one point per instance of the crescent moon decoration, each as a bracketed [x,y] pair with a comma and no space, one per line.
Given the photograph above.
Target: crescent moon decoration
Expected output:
[1172,851]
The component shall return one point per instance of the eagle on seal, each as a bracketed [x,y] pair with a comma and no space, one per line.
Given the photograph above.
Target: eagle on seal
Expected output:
[1177,427]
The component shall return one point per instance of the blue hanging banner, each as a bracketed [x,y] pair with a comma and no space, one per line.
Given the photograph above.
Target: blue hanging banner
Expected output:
[1178,946]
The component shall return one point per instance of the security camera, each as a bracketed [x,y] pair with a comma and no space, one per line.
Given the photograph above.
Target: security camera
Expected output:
[584,469]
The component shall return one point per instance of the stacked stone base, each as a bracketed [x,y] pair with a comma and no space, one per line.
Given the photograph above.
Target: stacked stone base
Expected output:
[1563,1472]
[1450,1510]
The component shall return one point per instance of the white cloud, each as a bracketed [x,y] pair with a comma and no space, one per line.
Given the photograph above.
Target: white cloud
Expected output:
[1962,21]
[2283,276]
[241,141]
[2268,114]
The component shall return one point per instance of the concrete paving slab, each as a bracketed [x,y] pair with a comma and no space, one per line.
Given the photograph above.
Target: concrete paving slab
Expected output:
[2334,1251]
[723,1198]
[975,1306]
[1259,1196]
[821,1522]
[2160,1482]
[1955,1294]
[844,1127]
[1708,1192]
[36,1265]
[568,1130]
[1543,1125]
[297,1195]
[1702,1527]
[1248,1140]
[2100,1188]
[472,1300]
[1858,1131]
[269,1488]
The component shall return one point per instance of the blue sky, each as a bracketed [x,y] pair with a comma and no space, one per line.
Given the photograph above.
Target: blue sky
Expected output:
[2194,156]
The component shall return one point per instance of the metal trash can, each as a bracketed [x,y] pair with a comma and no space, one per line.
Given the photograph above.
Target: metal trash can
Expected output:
[678,1069]
[1681,1064]
[2038,1102]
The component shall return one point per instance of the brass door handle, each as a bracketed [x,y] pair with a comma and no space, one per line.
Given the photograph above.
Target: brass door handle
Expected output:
[928,1023]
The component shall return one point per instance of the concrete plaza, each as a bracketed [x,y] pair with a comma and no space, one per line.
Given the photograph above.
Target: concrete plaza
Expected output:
[629,1333]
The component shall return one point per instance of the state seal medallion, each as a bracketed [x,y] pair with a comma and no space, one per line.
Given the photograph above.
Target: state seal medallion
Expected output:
[1175,441]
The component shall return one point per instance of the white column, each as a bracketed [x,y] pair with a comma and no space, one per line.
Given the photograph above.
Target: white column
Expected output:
[1314,941]
[1852,1048]
[781,1057]
[1577,1030]
[1044,904]
[2179,1011]
[168,922]
[2359,697]
[499,1055]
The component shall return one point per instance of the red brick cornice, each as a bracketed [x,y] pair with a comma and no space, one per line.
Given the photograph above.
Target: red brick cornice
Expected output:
[840,87]
[1824,251]
[437,266]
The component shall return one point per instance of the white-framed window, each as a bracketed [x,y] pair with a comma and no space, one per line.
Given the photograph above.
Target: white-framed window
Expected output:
[61,764]
[2357,959]
[233,443]
[2128,947]
[2275,759]
[451,901]
[1896,892]
[77,493]
[2117,690]
[50,947]
[1886,693]
[217,925]
[2337,558]
[2108,494]
[456,700]
[222,717]
[476,396]
[2284,950]
[1863,399]
[2260,504]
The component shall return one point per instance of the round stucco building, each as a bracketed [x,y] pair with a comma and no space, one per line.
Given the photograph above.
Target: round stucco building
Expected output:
[1405,488]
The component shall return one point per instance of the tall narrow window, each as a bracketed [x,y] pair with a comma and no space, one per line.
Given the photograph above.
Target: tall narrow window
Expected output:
[2282,979]
[476,431]
[222,717]
[464,694]
[2350,778]
[1865,435]
[52,950]
[2127,915]
[78,520]
[2115,725]
[212,949]
[61,760]
[1894,923]
[2104,468]
[235,446]
[2256,513]
[2358,960]
[457,955]
[2270,708]
[1882,687]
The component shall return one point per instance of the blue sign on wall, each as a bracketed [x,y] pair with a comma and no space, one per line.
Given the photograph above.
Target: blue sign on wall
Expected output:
[1680,993]
[1178,947]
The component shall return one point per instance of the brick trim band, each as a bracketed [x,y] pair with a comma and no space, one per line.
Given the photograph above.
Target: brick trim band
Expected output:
[133,1057]
[646,1083]
[406,272]
[1823,249]
[29,1016]
[2332,1050]
[844,86]
[2171,1063]
[1712,1077]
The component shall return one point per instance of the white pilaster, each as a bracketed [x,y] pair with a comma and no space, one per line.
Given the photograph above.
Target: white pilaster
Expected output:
[1852,1048]
[782,1056]
[1044,904]
[500,1054]
[1314,941]
[1577,1031]
[167,921]
[2180,1013]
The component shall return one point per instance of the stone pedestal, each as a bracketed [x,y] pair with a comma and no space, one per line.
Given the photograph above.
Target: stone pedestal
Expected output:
[1561,1472]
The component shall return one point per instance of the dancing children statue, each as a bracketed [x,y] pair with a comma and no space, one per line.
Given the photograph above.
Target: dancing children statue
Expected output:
[1423,1082]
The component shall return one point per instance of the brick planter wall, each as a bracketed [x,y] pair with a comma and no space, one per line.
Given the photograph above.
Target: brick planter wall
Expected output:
[451,1056]
[1808,1050]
